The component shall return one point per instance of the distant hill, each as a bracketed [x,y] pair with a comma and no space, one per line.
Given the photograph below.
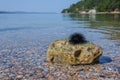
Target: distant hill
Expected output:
[99,5]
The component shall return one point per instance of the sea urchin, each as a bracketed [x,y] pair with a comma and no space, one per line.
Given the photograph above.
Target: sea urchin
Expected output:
[77,38]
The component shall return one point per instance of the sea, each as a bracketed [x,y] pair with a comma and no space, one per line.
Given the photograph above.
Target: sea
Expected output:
[25,37]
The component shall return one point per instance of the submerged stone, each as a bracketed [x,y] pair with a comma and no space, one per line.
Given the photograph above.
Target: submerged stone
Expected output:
[63,52]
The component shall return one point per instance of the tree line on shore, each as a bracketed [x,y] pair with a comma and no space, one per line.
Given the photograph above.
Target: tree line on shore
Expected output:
[99,5]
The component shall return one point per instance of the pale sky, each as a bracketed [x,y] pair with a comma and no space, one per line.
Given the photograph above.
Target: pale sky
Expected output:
[35,5]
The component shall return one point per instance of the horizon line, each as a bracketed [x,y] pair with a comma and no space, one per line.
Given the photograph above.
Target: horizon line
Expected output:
[25,12]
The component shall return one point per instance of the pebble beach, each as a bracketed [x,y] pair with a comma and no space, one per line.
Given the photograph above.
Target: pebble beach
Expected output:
[23,46]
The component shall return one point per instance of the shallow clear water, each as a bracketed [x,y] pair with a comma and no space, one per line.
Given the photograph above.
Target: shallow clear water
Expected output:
[24,38]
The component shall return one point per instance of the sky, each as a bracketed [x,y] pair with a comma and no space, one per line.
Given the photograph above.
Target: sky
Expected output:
[35,5]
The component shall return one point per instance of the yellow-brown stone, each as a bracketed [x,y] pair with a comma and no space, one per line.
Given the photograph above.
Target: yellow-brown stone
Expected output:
[63,52]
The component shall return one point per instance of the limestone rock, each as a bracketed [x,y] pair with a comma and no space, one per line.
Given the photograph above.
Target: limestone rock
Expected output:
[63,52]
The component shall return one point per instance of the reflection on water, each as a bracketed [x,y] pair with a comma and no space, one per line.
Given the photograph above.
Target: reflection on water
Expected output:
[108,23]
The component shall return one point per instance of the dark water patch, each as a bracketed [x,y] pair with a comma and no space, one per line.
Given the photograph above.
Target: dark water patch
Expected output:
[13,29]
[118,44]
[104,59]
[20,28]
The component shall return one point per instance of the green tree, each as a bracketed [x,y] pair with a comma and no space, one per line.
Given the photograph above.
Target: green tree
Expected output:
[100,5]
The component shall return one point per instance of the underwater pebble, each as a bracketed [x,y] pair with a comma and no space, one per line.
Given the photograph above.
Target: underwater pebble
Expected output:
[28,62]
[19,76]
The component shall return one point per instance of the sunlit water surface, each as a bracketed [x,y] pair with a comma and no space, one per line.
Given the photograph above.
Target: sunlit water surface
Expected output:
[24,38]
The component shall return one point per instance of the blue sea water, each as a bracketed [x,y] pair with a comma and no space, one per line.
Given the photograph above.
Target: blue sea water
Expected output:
[24,37]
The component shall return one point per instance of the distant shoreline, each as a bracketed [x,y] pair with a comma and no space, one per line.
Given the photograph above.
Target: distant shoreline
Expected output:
[97,13]
[107,12]
[20,12]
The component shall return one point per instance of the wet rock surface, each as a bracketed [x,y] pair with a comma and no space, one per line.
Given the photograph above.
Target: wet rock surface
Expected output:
[63,52]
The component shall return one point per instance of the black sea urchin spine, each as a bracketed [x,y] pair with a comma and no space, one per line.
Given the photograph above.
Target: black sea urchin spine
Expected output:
[77,38]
